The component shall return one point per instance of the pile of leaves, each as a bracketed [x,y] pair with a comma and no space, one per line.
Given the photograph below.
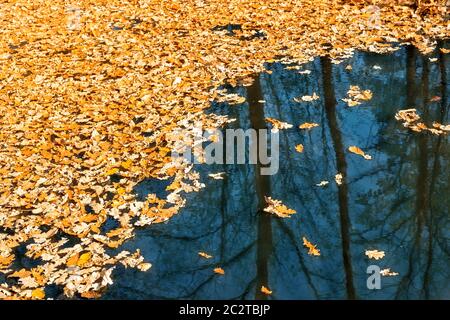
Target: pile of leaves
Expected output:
[96,94]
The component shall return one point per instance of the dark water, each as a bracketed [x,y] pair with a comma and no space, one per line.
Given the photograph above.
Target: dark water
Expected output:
[397,202]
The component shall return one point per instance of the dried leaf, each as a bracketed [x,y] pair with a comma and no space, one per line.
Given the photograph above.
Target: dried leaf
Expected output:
[312,249]
[219,270]
[374,254]
[266,290]
[204,255]
[277,208]
[308,125]
[299,148]
[358,151]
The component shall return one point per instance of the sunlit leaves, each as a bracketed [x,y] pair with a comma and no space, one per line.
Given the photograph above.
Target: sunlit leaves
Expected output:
[356,95]
[277,208]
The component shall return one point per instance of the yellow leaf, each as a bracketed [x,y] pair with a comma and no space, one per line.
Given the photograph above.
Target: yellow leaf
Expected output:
[308,125]
[127,164]
[277,208]
[299,148]
[266,290]
[312,250]
[38,293]
[112,171]
[84,258]
[358,151]
[219,271]
[72,261]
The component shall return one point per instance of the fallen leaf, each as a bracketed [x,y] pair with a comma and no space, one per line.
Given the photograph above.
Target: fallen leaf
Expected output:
[358,151]
[338,178]
[277,208]
[388,272]
[266,290]
[322,183]
[38,293]
[299,148]
[217,176]
[219,270]
[374,254]
[84,258]
[312,249]
[204,255]
[308,125]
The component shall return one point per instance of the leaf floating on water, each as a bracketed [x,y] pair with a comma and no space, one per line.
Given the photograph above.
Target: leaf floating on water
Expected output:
[358,151]
[278,125]
[313,97]
[308,125]
[349,67]
[356,95]
[312,249]
[299,148]
[277,208]
[388,272]
[445,51]
[411,119]
[376,67]
[217,176]
[374,254]
[144,266]
[305,72]
[435,99]
[204,255]
[219,270]
[266,290]
[433,59]
[338,178]
[322,183]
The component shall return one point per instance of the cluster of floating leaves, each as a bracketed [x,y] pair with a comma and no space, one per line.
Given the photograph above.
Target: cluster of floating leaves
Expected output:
[93,91]
[412,121]
[356,95]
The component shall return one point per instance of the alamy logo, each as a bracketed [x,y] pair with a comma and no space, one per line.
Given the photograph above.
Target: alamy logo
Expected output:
[374,280]
[233,146]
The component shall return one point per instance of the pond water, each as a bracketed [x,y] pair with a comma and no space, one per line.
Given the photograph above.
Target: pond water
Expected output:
[397,202]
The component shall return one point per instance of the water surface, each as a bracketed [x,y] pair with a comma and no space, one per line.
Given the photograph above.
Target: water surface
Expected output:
[397,202]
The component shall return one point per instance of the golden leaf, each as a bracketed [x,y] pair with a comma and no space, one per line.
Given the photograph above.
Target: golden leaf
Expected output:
[219,270]
[277,208]
[312,250]
[38,293]
[299,148]
[266,290]
[72,261]
[358,151]
[84,258]
[308,125]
